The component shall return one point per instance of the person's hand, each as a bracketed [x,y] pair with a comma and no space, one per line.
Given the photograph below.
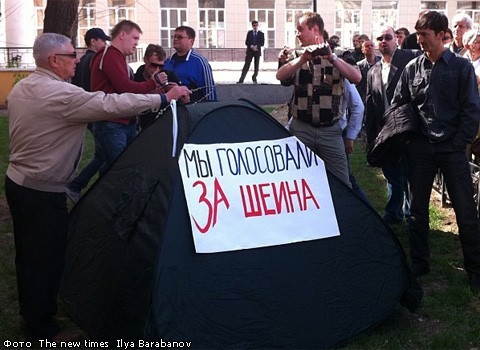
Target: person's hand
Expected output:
[285,54]
[160,78]
[317,51]
[179,93]
[254,47]
[348,146]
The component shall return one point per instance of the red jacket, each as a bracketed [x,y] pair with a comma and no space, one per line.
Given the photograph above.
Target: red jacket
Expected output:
[110,74]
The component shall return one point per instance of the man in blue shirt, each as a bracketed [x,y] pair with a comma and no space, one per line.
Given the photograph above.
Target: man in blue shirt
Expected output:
[191,68]
[442,90]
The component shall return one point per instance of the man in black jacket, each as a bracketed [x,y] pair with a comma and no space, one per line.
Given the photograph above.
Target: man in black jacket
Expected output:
[442,89]
[382,80]
[95,39]
[254,41]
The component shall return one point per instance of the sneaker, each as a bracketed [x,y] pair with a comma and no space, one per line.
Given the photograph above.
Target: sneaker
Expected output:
[73,196]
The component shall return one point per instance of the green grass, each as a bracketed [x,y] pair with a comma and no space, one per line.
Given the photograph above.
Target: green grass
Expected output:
[449,317]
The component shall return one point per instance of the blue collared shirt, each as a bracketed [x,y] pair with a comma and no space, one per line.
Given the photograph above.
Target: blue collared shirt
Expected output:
[444,95]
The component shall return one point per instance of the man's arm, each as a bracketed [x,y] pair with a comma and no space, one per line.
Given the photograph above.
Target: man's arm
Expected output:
[352,73]
[469,111]
[116,72]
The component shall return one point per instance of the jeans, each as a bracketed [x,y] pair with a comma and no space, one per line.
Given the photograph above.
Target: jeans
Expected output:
[398,203]
[113,138]
[82,180]
[40,224]
[424,159]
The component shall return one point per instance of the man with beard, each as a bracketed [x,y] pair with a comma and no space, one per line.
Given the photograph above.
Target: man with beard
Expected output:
[382,80]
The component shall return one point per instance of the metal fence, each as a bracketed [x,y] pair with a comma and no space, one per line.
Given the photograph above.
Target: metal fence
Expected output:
[22,57]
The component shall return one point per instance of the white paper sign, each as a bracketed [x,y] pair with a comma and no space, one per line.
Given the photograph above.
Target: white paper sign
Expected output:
[256,194]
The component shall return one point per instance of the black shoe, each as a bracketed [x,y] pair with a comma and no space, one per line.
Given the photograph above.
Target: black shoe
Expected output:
[419,269]
[239,82]
[254,81]
[474,280]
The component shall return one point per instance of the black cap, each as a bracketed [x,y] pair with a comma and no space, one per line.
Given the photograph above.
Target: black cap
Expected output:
[95,33]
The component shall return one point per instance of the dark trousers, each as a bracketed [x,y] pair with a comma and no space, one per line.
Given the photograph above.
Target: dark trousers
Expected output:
[424,159]
[40,221]
[248,60]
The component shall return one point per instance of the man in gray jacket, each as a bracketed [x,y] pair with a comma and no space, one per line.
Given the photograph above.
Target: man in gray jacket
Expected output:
[47,122]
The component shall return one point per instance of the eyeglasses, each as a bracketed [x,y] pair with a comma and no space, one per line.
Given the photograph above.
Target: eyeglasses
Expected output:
[178,37]
[446,38]
[255,25]
[157,65]
[386,37]
[72,55]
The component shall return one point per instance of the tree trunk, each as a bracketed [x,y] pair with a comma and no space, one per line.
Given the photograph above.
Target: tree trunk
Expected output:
[61,16]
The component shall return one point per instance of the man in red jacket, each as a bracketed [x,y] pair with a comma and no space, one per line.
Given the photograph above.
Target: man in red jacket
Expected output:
[111,74]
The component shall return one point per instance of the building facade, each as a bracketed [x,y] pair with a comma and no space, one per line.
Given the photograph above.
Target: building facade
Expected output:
[222,24]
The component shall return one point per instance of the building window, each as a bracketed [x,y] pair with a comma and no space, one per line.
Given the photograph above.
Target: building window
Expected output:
[86,19]
[264,12]
[471,8]
[440,6]
[119,10]
[211,28]
[294,10]
[348,21]
[173,13]
[384,13]
[39,8]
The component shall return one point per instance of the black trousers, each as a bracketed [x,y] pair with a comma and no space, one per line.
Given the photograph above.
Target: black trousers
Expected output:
[40,223]
[424,159]
[248,60]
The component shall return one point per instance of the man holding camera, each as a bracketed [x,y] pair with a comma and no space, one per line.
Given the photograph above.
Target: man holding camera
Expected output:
[316,105]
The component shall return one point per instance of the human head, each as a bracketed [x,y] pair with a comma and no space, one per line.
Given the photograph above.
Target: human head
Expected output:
[255,25]
[154,58]
[430,27]
[400,35]
[183,39]
[471,41]
[448,37]
[432,20]
[361,39]
[56,53]
[386,41]
[95,39]
[125,36]
[310,29]
[334,41]
[461,23]
[355,42]
[368,48]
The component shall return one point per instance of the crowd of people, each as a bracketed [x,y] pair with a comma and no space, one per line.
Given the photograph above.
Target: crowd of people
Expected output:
[434,71]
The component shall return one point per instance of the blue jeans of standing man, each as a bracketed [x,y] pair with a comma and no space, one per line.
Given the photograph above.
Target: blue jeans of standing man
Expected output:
[113,139]
[398,203]
[424,159]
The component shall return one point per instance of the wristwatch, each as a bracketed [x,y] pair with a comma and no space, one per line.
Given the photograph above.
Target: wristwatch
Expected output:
[333,58]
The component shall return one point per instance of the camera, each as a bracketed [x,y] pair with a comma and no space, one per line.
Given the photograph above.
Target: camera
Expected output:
[319,50]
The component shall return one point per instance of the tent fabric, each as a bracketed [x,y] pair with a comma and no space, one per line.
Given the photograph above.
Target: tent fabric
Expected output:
[132,271]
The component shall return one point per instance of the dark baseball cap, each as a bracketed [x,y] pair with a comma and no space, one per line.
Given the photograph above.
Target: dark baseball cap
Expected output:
[95,33]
